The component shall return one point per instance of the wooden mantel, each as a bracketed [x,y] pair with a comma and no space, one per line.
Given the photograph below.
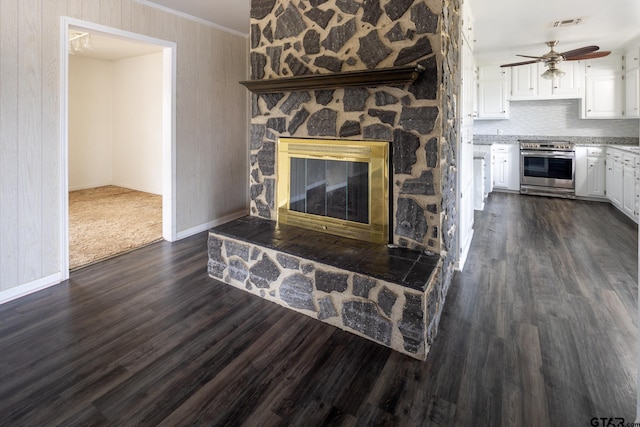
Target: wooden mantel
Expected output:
[367,78]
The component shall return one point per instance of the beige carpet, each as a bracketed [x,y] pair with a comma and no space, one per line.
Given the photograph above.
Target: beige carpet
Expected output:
[107,221]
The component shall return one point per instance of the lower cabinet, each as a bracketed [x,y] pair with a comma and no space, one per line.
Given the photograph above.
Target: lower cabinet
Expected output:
[629,190]
[622,181]
[614,179]
[505,167]
[590,172]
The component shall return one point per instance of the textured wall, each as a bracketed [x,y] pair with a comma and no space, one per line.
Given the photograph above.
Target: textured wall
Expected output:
[314,36]
[211,126]
[554,117]
[90,122]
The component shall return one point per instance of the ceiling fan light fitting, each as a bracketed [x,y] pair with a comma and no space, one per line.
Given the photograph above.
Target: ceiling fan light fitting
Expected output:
[552,73]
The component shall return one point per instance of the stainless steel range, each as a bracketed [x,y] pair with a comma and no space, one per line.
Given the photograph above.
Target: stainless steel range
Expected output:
[547,168]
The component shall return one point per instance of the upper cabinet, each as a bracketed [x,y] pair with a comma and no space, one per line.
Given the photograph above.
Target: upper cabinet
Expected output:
[526,83]
[632,93]
[632,83]
[493,91]
[609,87]
[571,85]
[613,63]
[467,24]
[632,58]
[604,91]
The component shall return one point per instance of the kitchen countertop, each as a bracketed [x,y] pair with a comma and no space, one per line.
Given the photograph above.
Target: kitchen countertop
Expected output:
[629,148]
[578,140]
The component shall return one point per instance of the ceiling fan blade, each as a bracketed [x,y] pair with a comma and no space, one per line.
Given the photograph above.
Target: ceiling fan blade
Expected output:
[579,52]
[528,56]
[519,63]
[589,56]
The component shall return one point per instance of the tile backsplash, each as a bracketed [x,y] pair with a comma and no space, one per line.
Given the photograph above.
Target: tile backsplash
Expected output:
[554,117]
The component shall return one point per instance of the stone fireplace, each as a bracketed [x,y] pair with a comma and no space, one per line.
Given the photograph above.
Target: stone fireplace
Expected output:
[309,38]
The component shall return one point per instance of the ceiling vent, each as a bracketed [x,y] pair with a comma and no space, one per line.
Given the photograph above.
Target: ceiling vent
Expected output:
[566,22]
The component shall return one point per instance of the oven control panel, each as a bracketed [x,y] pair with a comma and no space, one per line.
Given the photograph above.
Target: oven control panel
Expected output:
[565,146]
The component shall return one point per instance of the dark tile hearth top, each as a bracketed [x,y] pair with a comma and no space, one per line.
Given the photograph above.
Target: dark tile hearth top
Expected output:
[393,264]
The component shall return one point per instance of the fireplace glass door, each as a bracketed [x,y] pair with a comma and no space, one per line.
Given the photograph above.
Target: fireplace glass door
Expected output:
[337,189]
[334,186]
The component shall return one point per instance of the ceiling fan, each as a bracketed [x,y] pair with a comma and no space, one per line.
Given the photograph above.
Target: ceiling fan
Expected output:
[552,58]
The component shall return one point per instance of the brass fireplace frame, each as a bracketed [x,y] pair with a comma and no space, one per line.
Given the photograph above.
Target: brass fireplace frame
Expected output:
[375,153]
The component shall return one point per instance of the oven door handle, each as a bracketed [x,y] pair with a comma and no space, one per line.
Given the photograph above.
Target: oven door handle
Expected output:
[550,154]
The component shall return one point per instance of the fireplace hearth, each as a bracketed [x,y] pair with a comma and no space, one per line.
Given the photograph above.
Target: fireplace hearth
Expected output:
[381,292]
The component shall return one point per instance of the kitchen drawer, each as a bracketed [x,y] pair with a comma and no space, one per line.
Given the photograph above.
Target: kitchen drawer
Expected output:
[595,151]
[614,154]
[629,159]
[500,149]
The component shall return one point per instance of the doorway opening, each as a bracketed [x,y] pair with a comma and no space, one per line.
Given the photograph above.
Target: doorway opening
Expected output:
[118,139]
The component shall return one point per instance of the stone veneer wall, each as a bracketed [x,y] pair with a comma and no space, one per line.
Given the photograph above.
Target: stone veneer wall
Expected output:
[300,37]
[303,37]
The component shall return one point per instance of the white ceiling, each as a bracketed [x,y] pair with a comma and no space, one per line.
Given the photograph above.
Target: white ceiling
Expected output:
[502,27]
[506,27]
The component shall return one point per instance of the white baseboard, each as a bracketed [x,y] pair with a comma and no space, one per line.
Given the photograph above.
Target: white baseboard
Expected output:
[86,187]
[29,288]
[204,227]
[459,265]
[46,282]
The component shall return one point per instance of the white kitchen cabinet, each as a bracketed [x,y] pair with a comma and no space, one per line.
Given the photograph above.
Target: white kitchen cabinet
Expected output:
[604,88]
[492,100]
[493,90]
[614,177]
[604,96]
[632,93]
[632,58]
[629,190]
[524,81]
[616,192]
[467,24]
[479,174]
[636,213]
[505,168]
[590,172]
[527,83]
[488,177]
[629,165]
[492,72]
[500,170]
[596,177]
[605,65]
[569,85]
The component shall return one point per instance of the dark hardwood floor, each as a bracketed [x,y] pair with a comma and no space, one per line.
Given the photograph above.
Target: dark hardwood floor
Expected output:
[540,329]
